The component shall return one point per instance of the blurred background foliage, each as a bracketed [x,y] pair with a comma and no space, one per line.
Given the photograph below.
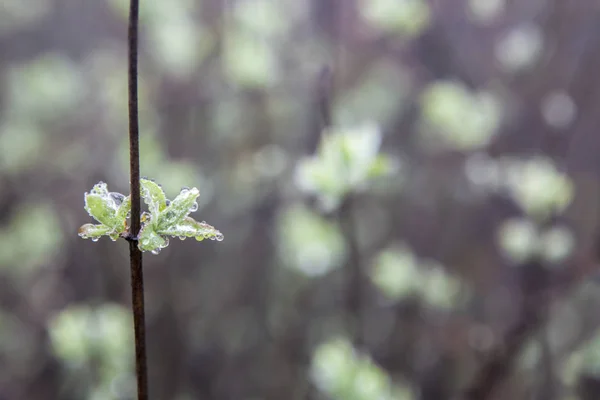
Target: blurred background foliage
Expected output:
[400,183]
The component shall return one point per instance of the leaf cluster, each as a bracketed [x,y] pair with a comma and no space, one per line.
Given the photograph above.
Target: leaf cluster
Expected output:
[165,218]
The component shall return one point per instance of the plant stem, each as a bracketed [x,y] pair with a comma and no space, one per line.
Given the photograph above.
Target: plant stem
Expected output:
[135,255]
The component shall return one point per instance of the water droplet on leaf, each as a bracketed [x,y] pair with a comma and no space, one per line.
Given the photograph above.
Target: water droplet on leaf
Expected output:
[194,207]
[117,197]
[95,238]
[156,251]
[219,236]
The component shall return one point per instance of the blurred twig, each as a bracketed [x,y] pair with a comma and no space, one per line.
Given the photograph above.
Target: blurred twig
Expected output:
[499,364]
[354,274]
[321,98]
[547,390]
[135,254]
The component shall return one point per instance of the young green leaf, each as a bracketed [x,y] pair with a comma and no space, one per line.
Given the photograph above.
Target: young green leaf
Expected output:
[102,208]
[124,209]
[189,227]
[108,208]
[112,209]
[149,240]
[179,208]
[153,196]
[91,231]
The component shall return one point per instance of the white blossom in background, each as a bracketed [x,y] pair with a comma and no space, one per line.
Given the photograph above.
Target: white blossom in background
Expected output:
[556,244]
[517,239]
[558,109]
[520,48]
[538,187]
[486,11]
[520,240]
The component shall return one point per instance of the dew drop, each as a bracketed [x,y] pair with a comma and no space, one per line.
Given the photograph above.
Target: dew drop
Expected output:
[99,188]
[194,207]
[95,238]
[114,238]
[181,237]
[156,251]
[166,243]
[219,236]
[117,197]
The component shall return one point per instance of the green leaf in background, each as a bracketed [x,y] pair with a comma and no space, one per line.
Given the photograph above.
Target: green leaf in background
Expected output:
[347,161]
[538,186]
[40,227]
[308,242]
[406,17]
[456,118]
[249,61]
[343,373]
[81,336]
[399,274]
[396,273]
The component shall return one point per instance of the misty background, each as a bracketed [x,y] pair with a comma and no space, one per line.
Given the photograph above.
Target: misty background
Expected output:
[408,191]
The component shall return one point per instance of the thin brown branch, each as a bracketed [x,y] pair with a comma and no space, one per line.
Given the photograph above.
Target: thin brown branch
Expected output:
[135,255]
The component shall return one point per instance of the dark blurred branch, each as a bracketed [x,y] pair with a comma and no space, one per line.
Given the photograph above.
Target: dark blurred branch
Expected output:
[354,274]
[321,100]
[499,364]
[324,96]
[547,390]
[135,255]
